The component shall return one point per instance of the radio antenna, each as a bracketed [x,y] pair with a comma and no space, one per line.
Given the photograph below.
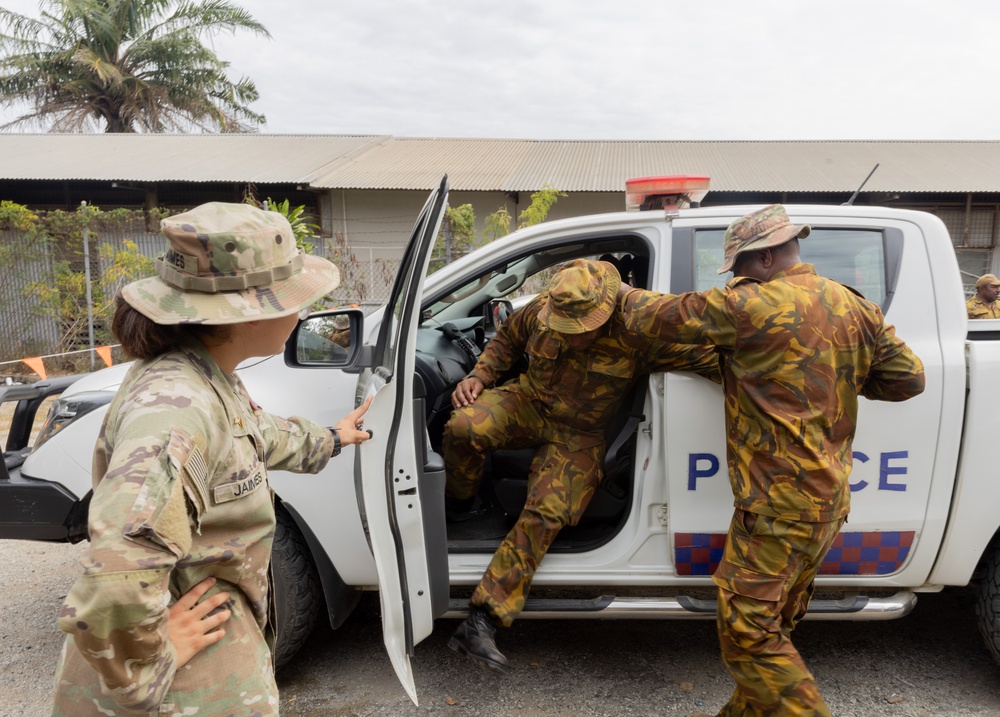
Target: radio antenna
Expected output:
[854,196]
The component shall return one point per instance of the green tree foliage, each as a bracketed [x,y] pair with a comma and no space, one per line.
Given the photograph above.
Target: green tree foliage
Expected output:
[125,66]
[15,217]
[302,227]
[123,264]
[538,209]
[497,224]
[456,238]
[535,213]
[458,234]
[62,294]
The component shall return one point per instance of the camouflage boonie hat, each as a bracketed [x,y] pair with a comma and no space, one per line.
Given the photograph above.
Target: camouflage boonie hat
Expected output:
[582,297]
[987,280]
[229,263]
[762,229]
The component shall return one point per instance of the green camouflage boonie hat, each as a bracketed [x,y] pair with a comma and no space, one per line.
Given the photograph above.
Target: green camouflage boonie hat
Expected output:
[764,228]
[581,297]
[229,263]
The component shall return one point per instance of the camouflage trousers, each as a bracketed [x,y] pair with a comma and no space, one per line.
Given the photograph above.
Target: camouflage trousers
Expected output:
[765,583]
[561,482]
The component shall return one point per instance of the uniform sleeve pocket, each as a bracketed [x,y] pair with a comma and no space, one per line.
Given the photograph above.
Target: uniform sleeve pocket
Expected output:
[748,583]
[167,521]
[189,464]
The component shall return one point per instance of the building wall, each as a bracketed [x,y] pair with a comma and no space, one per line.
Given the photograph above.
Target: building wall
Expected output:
[376,224]
[379,223]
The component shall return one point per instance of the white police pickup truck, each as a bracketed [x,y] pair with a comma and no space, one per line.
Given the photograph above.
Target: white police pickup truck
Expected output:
[925,486]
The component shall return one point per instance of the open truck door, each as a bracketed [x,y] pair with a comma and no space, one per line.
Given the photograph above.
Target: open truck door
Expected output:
[401,478]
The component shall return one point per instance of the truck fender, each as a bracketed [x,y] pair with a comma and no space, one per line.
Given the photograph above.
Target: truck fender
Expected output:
[340,598]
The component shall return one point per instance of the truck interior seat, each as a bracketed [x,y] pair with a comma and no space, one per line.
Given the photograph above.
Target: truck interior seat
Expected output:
[613,495]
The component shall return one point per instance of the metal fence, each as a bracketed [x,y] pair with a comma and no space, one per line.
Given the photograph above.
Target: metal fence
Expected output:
[23,266]
[974,230]
[29,268]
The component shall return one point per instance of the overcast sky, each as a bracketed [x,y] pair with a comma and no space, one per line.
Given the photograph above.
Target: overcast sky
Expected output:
[621,69]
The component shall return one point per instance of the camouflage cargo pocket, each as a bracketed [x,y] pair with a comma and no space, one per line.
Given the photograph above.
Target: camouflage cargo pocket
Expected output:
[543,345]
[749,583]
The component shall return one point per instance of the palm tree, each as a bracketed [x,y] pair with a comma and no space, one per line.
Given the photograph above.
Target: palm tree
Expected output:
[125,66]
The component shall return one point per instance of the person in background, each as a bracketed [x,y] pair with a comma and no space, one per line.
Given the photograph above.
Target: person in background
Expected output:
[581,364]
[171,613]
[985,304]
[796,350]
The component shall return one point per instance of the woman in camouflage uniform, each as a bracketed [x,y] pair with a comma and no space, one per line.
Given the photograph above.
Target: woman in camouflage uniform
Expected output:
[170,615]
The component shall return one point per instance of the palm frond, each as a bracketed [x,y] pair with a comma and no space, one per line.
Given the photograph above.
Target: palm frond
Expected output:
[125,65]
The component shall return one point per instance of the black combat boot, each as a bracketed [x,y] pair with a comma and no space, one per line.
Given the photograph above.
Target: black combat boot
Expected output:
[474,638]
[459,510]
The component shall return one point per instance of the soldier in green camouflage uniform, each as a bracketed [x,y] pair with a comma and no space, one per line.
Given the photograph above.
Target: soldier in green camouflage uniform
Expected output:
[985,304]
[796,349]
[171,614]
[581,363]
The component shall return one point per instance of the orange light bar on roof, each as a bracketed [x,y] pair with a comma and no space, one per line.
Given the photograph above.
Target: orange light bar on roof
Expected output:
[676,191]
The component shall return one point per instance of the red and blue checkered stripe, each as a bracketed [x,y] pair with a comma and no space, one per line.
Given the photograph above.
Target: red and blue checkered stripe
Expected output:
[859,553]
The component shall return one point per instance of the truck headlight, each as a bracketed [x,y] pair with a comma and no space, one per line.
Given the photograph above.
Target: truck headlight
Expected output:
[65,410]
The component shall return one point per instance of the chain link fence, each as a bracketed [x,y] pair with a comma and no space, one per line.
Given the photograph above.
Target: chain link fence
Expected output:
[22,324]
[973,231]
[29,329]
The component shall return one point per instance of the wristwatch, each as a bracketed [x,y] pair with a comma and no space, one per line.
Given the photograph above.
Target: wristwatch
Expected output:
[336,443]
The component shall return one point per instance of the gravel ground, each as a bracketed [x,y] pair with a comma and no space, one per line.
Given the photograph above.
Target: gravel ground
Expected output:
[930,663]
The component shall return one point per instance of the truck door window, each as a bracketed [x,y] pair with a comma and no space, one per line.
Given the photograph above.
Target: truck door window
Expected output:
[518,280]
[855,257]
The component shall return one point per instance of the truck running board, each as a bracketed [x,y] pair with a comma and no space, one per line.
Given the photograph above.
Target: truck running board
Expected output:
[682,607]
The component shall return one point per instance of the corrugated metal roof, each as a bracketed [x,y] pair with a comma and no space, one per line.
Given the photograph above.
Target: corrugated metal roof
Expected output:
[385,162]
[257,158]
[603,166]
[596,166]
[471,164]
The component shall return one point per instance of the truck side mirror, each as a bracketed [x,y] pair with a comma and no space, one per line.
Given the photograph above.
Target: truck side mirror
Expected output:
[327,339]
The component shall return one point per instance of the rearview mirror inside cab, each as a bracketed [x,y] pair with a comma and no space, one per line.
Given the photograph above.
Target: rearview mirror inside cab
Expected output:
[497,312]
[327,339]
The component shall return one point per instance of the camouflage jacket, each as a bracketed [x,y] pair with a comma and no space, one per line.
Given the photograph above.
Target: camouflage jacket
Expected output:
[979,309]
[796,351]
[582,390]
[180,494]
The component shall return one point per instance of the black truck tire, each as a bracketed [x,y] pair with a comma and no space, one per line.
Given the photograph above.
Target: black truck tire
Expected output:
[298,595]
[988,603]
